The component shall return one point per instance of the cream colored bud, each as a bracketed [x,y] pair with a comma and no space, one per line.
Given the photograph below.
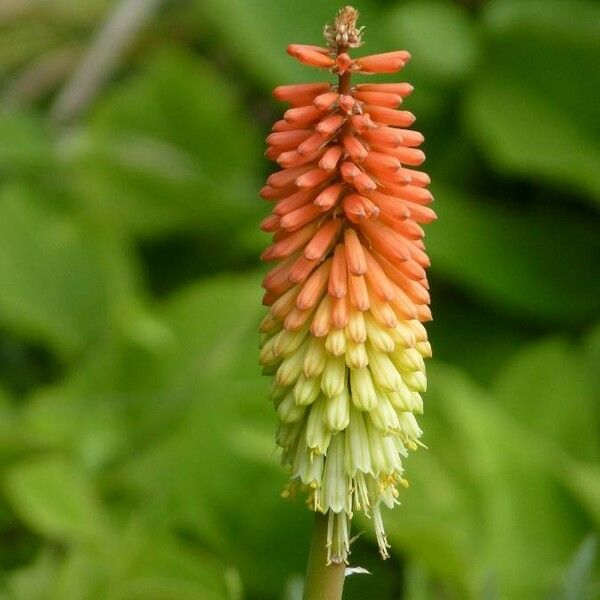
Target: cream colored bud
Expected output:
[317,433]
[307,466]
[306,390]
[337,411]
[270,325]
[362,389]
[409,427]
[392,452]
[333,381]
[407,359]
[403,335]
[356,328]
[378,337]
[291,367]
[417,403]
[385,374]
[289,411]
[356,452]
[287,342]
[334,493]
[335,343]
[416,358]
[356,356]
[384,416]
[267,355]
[418,330]
[374,437]
[416,381]
[314,361]
[424,349]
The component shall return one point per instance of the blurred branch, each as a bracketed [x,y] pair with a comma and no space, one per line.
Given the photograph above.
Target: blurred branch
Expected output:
[41,77]
[110,43]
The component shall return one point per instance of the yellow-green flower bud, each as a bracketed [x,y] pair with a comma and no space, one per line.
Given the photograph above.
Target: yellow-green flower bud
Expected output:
[364,395]
[336,342]
[317,432]
[289,411]
[306,390]
[356,356]
[290,368]
[337,412]
[334,376]
[315,359]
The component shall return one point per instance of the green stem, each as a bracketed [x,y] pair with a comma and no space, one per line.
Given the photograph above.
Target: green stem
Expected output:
[322,582]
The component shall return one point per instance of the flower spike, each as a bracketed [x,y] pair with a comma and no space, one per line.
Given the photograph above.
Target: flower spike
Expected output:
[343,336]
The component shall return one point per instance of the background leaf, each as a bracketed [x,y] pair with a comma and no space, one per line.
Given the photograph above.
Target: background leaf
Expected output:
[532,120]
[55,499]
[136,443]
[61,280]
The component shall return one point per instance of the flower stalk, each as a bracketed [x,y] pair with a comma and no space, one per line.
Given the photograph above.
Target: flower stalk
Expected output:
[343,338]
[323,581]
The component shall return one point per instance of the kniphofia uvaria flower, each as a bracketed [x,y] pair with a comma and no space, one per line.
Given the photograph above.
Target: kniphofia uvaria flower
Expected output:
[343,337]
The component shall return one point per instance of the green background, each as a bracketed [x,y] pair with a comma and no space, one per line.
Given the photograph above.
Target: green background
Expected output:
[136,444]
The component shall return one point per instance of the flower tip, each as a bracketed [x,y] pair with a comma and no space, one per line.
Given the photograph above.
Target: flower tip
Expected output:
[344,33]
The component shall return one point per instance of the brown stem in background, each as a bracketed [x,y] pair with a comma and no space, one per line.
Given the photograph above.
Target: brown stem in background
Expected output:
[112,40]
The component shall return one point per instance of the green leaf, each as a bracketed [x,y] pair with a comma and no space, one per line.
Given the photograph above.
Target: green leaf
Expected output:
[576,19]
[8,424]
[55,499]
[546,387]
[102,408]
[153,565]
[458,319]
[61,281]
[532,120]
[593,355]
[140,564]
[137,563]
[440,36]
[169,149]
[517,261]
[584,482]
[533,138]
[194,409]
[33,581]
[26,144]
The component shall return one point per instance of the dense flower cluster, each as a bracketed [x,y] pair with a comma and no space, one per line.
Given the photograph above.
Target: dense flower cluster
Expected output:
[343,336]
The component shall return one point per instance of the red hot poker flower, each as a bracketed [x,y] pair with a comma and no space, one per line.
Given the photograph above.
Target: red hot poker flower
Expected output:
[343,336]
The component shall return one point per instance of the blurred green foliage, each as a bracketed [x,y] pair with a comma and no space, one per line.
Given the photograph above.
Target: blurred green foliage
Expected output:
[136,444]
